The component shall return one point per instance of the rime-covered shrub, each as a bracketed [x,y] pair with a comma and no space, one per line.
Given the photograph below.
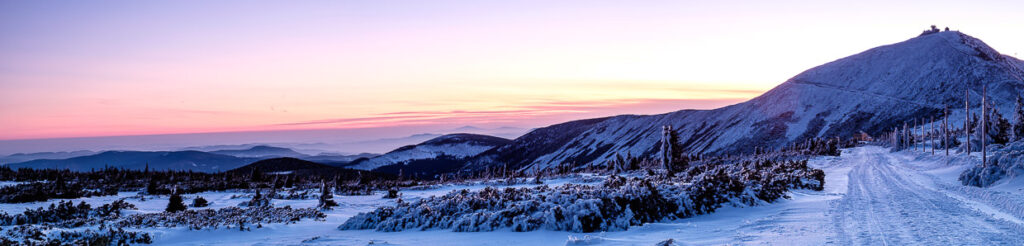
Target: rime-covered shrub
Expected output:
[38,235]
[1006,162]
[42,191]
[200,202]
[224,217]
[616,204]
[392,193]
[66,214]
[258,200]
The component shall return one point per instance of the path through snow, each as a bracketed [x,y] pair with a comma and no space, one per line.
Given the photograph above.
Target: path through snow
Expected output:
[888,202]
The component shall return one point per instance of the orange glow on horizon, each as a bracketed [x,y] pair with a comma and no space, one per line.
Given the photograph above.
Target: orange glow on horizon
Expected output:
[162,67]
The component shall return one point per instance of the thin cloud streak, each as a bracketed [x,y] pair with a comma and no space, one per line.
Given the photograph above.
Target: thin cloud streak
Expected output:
[551,109]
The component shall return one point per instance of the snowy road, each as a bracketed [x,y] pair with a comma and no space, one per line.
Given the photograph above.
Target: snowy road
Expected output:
[888,202]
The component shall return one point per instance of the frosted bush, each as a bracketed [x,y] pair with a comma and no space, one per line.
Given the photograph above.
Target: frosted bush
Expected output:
[1005,162]
[615,205]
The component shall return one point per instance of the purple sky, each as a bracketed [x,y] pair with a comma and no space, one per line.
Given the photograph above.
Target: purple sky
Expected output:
[107,68]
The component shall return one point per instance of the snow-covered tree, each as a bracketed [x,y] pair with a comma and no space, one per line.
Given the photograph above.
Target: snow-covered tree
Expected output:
[1018,120]
[538,176]
[672,152]
[1000,127]
[392,193]
[200,202]
[175,203]
[326,200]
[995,127]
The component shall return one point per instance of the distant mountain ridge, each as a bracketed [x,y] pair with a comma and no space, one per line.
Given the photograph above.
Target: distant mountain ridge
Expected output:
[156,160]
[23,157]
[455,146]
[260,151]
[872,91]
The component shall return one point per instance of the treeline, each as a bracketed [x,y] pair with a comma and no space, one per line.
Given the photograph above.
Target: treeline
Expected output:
[44,184]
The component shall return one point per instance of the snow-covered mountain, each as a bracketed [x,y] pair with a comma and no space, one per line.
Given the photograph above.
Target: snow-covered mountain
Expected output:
[872,91]
[459,145]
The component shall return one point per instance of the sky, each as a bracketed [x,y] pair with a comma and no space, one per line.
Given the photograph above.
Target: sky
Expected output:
[72,69]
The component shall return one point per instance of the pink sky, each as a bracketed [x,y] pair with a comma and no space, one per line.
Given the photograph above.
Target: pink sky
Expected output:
[77,69]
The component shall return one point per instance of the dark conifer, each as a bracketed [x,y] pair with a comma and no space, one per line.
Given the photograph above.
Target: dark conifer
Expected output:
[175,203]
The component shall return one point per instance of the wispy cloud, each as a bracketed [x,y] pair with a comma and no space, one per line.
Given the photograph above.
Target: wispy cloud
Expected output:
[525,115]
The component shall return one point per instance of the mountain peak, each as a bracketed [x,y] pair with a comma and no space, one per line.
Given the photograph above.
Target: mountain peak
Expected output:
[872,91]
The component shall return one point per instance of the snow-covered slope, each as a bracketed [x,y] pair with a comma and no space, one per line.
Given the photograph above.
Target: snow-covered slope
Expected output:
[871,91]
[459,145]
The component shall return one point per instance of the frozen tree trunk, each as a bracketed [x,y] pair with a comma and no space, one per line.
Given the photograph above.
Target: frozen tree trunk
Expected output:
[906,135]
[967,120]
[945,129]
[666,149]
[923,132]
[896,138]
[984,124]
[913,131]
[892,138]
[1018,116]
[931,133]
